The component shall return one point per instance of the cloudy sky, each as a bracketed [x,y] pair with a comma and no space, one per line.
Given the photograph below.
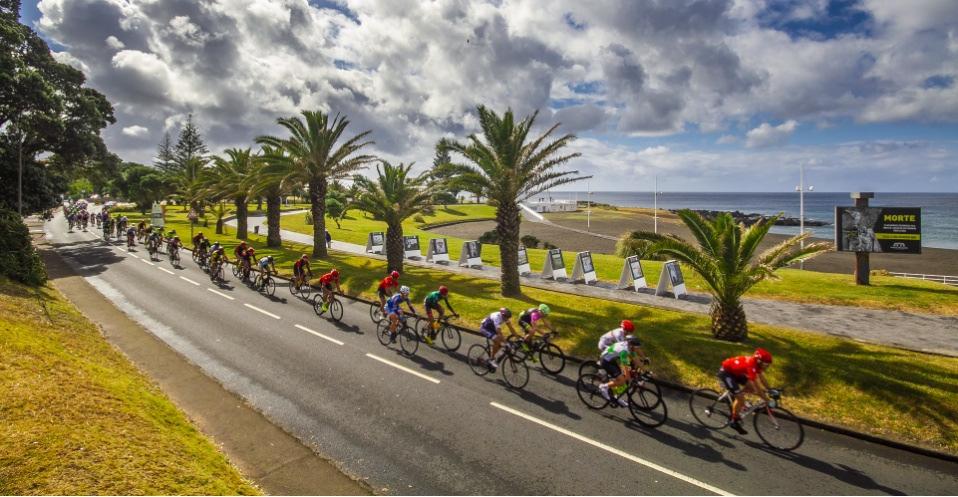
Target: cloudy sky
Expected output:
[729,95]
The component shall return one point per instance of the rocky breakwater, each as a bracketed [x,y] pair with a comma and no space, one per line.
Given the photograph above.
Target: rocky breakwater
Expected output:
[752,218]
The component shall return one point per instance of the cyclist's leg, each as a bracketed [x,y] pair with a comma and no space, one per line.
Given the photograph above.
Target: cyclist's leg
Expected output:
[393,323]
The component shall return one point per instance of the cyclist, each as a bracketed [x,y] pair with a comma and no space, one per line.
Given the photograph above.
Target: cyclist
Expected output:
[619,361]
[394,310]
[265,265]
[239,250]
[140,230]
[130,237]
[491,328]
[529,321]
[742,375]
[301,269]
[620,334]
[202,248]
[387,288]
[431,303]
[174,245]
[199,237]
[326,282]
[217,258]
[154,239]
[247,258]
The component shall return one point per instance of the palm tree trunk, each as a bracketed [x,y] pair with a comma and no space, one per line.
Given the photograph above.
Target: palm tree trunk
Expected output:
[259,204]
[242,215]
[394,247]
[219,225]
[317,200]
[507,226]
[728,321]
[273,238]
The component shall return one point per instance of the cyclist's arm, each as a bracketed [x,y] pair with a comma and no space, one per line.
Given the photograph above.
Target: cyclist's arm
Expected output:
[411,308]
[449,306]
[761,386]
[512,329]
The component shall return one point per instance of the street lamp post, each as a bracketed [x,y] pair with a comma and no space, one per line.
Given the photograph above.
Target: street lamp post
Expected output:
[801,207]
[588,209]
[655,206]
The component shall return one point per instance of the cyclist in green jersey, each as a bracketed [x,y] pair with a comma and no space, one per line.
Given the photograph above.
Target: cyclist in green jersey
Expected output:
[431,303]
[619,360]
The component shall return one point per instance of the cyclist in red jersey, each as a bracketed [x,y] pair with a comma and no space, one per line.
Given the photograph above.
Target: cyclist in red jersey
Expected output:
[745,375]
[387,287]
[326,282]
[301,269]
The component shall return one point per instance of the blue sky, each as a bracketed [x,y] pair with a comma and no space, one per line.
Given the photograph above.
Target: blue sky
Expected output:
[724,95]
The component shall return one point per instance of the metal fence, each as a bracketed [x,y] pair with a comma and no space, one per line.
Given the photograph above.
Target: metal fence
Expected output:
[948,280]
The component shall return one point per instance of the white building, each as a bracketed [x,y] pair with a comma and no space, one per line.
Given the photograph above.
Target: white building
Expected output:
[549,204]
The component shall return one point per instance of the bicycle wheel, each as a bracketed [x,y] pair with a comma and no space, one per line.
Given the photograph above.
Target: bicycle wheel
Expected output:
[336,310]
[652,385]
[478,358]
[779,428]
[552,358]
[195,256]
[514,371]
[318,308]
[587,386]
[708,410]
[409,340]
[292,287]
[375,312]
[382,330]
[269,287]
[451,338]
[647,407]
[304,289]
[588,367]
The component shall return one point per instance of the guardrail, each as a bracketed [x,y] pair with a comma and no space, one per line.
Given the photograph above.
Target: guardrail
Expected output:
[948,280]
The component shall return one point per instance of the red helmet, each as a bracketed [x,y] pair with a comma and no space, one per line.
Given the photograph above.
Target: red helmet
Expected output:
[443,290]
[335,273]
[627,326]
[763,355]
[394,275]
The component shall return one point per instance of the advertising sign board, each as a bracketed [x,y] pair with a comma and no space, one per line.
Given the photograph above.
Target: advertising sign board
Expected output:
[894,230]
[632,274]
[524,260]
[411,246]
[671,279]
[438,250]
[471,254]
[584,268]
[375,242]
[555,265]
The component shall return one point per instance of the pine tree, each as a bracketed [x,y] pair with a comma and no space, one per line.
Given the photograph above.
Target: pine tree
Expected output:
[190,144]
[165,157]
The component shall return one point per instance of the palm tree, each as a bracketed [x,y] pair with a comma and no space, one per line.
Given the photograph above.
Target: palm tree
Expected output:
[507,168]
[273,189]
[186,181]
[393,197]
[311,156]
[725,259]
[229,178]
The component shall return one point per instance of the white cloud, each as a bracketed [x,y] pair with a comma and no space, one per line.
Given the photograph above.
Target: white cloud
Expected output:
[727,139]
[767,135]
[69,59]
[115,43]
[136,131]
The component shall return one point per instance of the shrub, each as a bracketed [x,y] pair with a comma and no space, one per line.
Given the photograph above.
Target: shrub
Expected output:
[490,237]
[419,219]
[19,261]
[529,241]
[309,218]
[548,246]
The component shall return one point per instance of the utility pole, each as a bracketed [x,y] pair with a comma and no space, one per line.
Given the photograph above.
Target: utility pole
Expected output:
[588,209]
[801,207]
[655,205]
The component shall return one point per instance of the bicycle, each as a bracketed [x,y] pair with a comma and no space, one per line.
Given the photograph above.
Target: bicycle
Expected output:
[217,273]
[130,243]
[265,285]
[514,369]
[335,307]
[450,335]
[407,335]
[300,287]
[550,355]
[152,249]
[174,256]
[775,425]
[644,397]
[376,312]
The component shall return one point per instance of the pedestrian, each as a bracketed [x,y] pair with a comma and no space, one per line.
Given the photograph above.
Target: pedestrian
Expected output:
[329,240]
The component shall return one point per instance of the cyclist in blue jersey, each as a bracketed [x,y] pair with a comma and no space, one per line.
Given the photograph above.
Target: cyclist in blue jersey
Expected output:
[394,310]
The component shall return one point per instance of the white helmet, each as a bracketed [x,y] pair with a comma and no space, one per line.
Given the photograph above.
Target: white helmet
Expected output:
[404,290]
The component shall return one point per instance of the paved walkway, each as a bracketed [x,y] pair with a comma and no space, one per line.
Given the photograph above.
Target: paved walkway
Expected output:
[920,332]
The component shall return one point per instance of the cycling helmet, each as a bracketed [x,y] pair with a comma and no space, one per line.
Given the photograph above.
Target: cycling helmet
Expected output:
[269,258]
[404,290]
[305,257]
[763,355]
[394,275]
[443,290]
[250,251]
[627,326]
[334,272]
[633,341]
[176,238]
[506,313]
[544,309]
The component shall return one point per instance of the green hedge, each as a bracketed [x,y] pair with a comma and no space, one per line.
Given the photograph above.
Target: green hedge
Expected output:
[19,261]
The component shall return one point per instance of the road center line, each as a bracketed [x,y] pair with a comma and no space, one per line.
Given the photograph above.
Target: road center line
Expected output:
[148,262]
[257,309]
[613,450]
[165,270]
[184,278]
[320,335]
[403,368]
[221,294]
[135,256]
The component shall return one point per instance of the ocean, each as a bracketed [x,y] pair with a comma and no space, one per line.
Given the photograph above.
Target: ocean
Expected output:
[939,211]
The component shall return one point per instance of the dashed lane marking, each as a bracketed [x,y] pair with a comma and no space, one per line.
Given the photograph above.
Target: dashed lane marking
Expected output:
[612,450]
[184,278]
[257,309]
[403,368]
[320,335]
[148,262]
[165,270]
[221,294]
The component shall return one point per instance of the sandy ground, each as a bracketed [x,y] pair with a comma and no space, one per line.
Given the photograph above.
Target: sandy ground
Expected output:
[614,223]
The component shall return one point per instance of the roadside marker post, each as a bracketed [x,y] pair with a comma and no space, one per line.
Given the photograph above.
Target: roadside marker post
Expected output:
[671,279]
[632,274]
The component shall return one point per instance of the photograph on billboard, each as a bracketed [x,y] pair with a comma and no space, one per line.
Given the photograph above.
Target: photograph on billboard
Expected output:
[878,229]
[635,265]
[523,256]
[439,246]
[376,239]
[556,256]
[587,266]
[411,243]
[675,274]
[472,249]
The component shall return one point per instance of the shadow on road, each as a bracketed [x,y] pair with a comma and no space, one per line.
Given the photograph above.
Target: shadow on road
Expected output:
[840,472]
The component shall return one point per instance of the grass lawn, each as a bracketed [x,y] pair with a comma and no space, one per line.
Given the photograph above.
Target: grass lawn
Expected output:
[78,418]
[885,292]
[880,390]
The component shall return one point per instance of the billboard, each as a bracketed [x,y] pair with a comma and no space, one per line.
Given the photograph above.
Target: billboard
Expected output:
[895,230]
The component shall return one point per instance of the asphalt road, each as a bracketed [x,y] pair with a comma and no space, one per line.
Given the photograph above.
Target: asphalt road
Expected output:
[428,425]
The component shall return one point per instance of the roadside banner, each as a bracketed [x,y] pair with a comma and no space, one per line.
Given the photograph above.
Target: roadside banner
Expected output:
[895,230]
[471,255]
[632,274]
[411,248]
[156,216]
[555,265]
[375,242]
[671,280]
[524,268]
[584,268]
[438,250]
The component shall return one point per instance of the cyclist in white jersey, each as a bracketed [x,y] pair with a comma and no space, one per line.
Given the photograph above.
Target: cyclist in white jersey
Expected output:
[619,334]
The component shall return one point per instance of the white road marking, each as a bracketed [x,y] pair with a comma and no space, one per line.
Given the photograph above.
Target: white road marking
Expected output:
[257,309]
[148,262]
[403,368]
[135,256]
[221,294]
[165,270]
[613,450]
[184,278]
[320,335]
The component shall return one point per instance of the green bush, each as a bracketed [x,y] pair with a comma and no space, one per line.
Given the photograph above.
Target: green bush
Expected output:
[19,261]
[529,241]
[490,237]
[419,219]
